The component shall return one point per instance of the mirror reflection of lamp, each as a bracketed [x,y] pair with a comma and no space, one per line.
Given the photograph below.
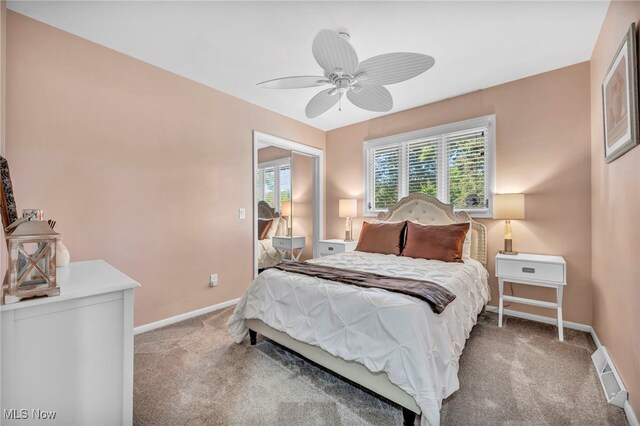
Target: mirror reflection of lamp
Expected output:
[348,209]
[285,211]
[508,207]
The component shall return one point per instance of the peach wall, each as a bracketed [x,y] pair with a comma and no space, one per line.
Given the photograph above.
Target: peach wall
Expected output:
[139,166]
[542,144]
[271,153]
[615,227]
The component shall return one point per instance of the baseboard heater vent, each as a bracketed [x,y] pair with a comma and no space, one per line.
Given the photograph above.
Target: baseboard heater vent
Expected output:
[614,389]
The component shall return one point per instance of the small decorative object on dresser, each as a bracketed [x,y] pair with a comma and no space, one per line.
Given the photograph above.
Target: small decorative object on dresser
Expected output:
[508,207]
[620,99]
[289,244]
[329,247]
[62,254]
[532,269]
[31,270]
[9,209]
[348,209]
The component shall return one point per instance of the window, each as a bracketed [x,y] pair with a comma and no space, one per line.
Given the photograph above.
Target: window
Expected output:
[273,182]
[453,163]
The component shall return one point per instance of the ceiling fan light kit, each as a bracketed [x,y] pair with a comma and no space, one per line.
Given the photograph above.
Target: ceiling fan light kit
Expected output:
[361,82]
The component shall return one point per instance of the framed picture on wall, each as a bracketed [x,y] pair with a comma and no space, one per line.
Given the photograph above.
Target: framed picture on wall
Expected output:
[620,100]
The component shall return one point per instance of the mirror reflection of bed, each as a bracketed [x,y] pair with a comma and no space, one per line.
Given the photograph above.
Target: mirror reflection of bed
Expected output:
[273,197]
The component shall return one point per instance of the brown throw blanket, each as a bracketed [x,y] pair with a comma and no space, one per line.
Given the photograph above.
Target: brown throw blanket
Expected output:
[434,294]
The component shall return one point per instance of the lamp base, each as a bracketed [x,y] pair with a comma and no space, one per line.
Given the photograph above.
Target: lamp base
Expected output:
[508,247]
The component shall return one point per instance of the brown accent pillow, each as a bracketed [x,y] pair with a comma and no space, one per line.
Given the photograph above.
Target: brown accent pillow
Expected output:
[438,242]
[263,228]
[384,238]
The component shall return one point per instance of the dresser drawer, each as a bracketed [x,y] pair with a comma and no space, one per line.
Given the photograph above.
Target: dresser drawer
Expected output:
[527,270]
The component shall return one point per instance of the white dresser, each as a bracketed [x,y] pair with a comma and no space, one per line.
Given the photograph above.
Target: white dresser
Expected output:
[70,354]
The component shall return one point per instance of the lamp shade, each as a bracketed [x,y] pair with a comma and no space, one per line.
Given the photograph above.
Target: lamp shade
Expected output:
[348,208]
[286,208]
[508,206]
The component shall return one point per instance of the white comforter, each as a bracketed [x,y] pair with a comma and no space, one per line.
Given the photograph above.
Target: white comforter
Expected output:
[268,255]
[385,331]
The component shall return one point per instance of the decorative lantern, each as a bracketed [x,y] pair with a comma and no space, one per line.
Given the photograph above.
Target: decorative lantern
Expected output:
[32,262]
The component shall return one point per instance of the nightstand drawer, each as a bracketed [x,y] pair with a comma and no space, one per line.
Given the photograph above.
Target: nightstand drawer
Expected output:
[536,271]
[288,243]
[282,243]
[329,247]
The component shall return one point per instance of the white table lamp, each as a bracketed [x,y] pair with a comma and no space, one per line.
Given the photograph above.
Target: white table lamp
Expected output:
[508,207]
[349,209]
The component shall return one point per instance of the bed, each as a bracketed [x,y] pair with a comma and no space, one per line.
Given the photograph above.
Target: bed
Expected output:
[267,254]
[389,343]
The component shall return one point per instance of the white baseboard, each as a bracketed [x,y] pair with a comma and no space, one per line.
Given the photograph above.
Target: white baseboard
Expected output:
[631,416]
[182,317]
[541,318]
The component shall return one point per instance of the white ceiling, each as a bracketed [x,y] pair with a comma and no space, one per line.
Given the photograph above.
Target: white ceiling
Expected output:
[231,46]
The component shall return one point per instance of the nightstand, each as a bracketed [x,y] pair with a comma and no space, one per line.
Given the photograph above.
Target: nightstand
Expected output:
[329,247]
[289,244]
[532,269]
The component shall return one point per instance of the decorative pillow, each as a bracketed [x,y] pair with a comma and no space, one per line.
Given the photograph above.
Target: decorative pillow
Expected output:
[466,248]
[384,238]
[264,225]
[437,242]
[279,227]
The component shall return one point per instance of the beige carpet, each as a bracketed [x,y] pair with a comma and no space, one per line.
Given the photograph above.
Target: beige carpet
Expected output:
[192,373]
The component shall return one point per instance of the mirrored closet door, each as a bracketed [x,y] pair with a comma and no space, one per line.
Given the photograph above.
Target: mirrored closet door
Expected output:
[274,208]
[288,216]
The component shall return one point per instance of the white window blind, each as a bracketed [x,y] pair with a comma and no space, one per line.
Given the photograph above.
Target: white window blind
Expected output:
[273,182]
[386,164]
[453,163]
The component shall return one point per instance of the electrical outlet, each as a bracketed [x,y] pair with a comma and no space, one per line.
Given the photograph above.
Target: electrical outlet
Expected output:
[242,213]
[213,280]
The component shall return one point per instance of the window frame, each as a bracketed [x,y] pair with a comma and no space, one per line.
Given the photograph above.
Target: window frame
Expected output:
[488,121]
[276,164]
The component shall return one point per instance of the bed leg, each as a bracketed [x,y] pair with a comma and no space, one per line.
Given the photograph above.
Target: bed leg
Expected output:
[252,337]
[409,417]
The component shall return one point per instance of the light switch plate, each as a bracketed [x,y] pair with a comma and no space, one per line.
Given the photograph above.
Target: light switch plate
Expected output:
[242,213]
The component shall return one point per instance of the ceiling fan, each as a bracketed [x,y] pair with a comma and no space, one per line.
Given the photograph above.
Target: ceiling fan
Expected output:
[361,82]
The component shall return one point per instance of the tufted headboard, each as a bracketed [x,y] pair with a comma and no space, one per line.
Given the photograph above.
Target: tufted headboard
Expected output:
[265,211]
[428,210]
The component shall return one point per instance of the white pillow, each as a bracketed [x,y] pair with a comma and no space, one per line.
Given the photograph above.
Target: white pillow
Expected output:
[466,248]
[274,228]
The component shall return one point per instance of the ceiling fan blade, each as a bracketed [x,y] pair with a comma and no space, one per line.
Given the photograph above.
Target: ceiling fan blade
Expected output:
[371,98]
[297,82]
[322,102]
[393,68]
[333,52]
